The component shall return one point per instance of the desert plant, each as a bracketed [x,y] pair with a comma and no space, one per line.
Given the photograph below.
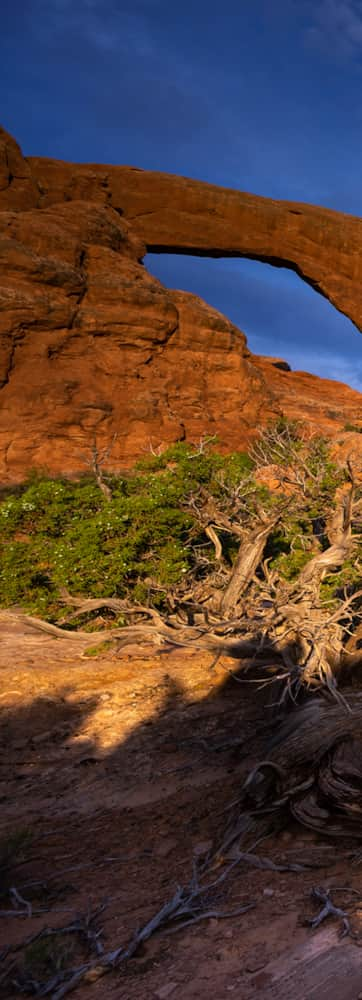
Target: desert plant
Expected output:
[195,546]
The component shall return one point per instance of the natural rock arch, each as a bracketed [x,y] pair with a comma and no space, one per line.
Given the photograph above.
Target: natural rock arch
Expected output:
[174,214]
[93,346]
[177,215]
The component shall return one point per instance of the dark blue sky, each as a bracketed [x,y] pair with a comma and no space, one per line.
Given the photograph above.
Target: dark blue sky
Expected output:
[261,95]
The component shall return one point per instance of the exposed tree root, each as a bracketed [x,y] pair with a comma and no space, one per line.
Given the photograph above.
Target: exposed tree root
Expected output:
[313,773]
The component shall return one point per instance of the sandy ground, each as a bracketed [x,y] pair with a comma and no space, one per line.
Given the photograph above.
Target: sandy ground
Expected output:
[116,772]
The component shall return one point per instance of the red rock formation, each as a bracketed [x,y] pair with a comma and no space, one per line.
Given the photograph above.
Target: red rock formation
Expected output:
[177,215]
[18,189]
[323,403]
[92,346]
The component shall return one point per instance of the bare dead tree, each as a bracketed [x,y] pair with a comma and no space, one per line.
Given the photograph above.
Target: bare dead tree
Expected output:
[96,460]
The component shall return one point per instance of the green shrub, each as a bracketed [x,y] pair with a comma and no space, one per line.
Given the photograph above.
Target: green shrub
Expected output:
[58,534]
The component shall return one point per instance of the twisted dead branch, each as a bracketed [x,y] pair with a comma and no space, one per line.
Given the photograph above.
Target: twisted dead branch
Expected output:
[188,906]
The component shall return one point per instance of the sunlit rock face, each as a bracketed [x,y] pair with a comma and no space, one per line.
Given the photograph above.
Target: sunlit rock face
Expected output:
[95,349]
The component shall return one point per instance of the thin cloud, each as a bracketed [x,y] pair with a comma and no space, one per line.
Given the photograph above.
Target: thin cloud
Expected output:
[324,364]
[335,27]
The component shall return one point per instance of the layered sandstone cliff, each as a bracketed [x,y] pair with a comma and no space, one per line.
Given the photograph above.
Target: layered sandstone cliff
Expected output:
[93,348]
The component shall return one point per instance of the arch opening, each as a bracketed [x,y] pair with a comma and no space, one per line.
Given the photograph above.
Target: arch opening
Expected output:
[280,313]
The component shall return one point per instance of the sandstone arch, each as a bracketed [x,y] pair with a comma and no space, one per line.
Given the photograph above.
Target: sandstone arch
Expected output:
[174,214]
[93,344]
[177,215]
